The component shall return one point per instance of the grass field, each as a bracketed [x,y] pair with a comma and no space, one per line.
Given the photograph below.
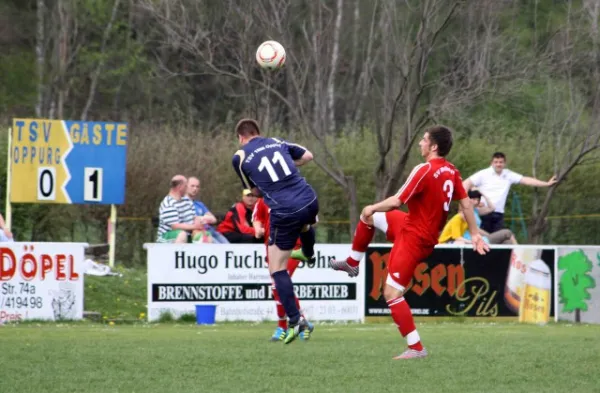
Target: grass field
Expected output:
[147,358]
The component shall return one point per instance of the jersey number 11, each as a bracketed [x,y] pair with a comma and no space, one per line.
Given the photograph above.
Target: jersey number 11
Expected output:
[277,159]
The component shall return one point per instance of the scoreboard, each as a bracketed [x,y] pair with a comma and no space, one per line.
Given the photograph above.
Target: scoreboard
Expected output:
[65,161]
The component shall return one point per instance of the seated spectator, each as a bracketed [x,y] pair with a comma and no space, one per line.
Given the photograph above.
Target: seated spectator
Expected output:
[237,224]
[5,233]
[501,236]
[457,230]
[177,218]
[209,234]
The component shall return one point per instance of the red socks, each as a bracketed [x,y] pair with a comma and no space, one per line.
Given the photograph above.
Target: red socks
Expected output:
[292,265]
[404,320]
[362,238]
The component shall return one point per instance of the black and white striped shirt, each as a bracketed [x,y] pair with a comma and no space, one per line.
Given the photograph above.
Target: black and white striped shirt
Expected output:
[173,211]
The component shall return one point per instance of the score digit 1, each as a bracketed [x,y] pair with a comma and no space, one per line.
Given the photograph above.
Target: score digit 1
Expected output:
[92,184]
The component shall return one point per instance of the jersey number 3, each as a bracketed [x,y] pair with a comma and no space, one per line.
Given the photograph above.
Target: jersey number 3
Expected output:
[448,188]
[277,159]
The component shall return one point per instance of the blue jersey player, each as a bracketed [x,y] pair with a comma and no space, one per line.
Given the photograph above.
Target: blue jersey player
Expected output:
[268,166]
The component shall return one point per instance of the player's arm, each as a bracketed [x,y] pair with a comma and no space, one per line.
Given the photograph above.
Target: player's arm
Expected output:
[306,157]
[300,154]
[237,161]
[258,219]
[479,244]
[386,205]
[411,187]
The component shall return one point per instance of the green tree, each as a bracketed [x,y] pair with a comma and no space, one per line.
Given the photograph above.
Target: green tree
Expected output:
[575,282]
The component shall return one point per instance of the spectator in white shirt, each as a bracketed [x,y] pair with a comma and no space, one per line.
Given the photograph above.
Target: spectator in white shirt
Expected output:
[495,182]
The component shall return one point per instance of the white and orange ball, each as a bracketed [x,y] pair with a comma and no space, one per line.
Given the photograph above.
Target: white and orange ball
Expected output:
[270,55]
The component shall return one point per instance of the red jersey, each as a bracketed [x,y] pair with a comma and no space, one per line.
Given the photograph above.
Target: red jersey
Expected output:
[428,192]
[261,214]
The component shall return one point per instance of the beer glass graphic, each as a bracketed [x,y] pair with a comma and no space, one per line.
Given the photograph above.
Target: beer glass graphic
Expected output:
[535,302]
[520,259]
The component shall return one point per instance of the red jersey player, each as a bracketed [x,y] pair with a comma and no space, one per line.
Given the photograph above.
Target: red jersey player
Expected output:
[260,222]
[428,192]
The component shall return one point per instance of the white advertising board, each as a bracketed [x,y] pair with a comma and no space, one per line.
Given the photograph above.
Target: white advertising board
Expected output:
[235,278]
[41,281]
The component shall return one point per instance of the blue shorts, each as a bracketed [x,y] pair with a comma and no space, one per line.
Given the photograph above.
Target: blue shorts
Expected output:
[285,228]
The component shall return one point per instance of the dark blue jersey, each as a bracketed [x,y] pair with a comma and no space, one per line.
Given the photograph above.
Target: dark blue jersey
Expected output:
[268,164]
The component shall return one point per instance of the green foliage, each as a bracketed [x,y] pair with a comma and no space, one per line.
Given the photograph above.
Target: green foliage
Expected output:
[17,86]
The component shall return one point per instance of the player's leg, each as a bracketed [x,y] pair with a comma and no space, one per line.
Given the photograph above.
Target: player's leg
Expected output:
[292,265]
[279,333]
[306,252]
[402,262]
[284,232]
[289,232]
[390,223]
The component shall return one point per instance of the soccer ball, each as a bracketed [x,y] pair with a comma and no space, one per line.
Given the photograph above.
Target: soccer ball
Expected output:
[270,55]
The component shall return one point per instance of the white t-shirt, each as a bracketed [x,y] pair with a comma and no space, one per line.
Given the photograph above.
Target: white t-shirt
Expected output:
[495,186]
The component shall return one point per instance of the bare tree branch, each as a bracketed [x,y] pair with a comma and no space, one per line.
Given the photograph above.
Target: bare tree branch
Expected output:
[100,66]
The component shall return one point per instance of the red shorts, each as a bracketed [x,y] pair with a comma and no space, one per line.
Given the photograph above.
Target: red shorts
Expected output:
[407,252]
[396,220]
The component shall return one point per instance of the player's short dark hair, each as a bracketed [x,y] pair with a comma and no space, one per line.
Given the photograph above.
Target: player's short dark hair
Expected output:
[442,137]
[474,194]
[247,127]
[499,154]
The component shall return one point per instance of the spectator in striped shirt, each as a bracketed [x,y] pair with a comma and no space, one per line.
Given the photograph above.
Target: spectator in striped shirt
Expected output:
[176,215]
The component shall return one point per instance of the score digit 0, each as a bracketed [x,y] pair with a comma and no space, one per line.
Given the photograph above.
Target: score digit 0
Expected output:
[92,184]
[46,184]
